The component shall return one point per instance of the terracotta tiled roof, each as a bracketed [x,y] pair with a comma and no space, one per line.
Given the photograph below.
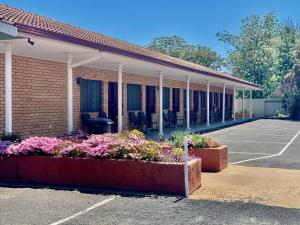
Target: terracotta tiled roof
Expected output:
[39,25]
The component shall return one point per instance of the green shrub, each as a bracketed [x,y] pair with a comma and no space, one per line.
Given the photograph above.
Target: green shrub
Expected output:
[199,141]
[178,138]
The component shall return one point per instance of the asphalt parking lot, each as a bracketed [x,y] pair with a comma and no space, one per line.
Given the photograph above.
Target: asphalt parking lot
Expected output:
[264,144]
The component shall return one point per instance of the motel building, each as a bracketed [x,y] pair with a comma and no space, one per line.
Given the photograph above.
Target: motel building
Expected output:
[51,73]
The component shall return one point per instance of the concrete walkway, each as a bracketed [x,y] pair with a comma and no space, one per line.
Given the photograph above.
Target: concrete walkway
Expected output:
[267,186]
[201,128]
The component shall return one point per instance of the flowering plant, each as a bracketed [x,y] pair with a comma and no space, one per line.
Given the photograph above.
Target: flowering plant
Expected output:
[36,145]
[75,136]
[128,145]
[4,146]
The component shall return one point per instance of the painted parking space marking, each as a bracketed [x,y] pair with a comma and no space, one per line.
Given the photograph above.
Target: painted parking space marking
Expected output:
[250,153]
[84,211]
[288,144]
[270,156]
[258,142]
[242,135]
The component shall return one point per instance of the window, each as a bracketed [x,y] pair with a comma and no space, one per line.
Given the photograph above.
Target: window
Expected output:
[176,100]
[134,97]
[166,98]
[90,95]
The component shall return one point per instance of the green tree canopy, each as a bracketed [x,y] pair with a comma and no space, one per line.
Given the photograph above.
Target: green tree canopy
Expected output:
[262,52]
[291,88]
[176,46]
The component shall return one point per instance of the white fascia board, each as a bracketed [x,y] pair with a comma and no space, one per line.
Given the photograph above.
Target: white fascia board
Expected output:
[8,29]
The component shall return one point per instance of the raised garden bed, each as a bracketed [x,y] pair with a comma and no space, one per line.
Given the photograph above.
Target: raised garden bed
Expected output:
[213,159]
[101,173]
[247,115]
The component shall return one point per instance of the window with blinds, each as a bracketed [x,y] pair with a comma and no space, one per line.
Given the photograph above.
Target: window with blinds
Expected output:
[90,95]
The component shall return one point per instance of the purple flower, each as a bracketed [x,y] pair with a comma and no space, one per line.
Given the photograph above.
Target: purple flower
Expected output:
[4,146]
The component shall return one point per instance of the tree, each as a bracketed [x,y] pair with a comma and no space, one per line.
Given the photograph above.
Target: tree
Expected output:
[262,52]
[291,88]
[177,47]
[174,46]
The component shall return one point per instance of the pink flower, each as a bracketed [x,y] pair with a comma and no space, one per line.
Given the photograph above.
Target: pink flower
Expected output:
[42,145]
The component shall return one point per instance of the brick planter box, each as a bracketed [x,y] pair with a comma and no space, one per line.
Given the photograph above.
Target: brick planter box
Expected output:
[247,115]
[113,174]
[213,159]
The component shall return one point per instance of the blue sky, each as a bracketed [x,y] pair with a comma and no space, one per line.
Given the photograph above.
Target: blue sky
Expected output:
[139,21]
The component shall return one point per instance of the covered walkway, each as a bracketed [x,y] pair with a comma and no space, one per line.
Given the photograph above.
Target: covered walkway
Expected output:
[201,128]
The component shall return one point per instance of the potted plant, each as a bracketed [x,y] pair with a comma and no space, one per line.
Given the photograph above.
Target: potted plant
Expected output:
[214,156]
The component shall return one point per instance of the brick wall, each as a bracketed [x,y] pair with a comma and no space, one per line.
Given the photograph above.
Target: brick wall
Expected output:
[40,94]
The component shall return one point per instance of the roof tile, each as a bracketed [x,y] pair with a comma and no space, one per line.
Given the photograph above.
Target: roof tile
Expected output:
[18,16]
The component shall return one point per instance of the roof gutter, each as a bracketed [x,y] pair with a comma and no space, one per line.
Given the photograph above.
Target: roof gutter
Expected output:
[62,37]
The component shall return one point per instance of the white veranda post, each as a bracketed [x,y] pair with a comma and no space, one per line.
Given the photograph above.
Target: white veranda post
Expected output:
[120,117]
[207,104]
[224,106]
[8,87]
[251,110]
[234,102]
[161,104]
[70,93]
[188,103]
[243,104]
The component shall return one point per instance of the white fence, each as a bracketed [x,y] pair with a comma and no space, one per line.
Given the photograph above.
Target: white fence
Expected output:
[261,107]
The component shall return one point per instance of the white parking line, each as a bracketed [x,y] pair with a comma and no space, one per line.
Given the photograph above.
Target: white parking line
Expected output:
[250,153]
[269,156]
[259,142]
[247,160]
[245,135]
[288,144]
[84,211]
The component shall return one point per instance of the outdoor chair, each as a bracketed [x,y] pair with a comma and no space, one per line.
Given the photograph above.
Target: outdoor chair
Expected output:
[193,117]
[172,118]
[203,115]
[87,121]
[133,121]
[142,120]
[181,119]
[166,118]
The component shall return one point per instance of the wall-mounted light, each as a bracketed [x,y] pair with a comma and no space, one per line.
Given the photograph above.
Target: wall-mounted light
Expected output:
[30,41]
[78,80]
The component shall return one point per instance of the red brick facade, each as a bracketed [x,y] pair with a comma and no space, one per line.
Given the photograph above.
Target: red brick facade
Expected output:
[40,94]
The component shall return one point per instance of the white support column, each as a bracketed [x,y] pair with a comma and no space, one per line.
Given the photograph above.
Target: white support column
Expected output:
[120,117]
[187,103]
[207,104]
[250,103]
[223,108]
[234,103]
[243,104]
[70,93]
[161,104]
[8,88]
